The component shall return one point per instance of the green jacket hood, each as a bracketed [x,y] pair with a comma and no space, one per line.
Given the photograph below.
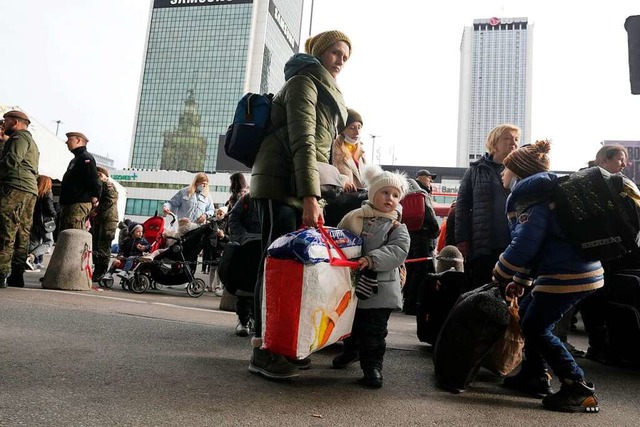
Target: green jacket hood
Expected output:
[310,66]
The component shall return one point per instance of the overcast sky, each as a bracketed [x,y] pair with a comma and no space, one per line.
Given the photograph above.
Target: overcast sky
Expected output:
[80,61]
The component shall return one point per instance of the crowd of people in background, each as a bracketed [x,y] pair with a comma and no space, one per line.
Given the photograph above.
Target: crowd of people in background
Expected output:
[312,153]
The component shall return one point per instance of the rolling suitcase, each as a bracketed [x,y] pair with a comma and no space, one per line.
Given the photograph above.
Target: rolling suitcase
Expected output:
[437,296]
[623,317]
[475,324]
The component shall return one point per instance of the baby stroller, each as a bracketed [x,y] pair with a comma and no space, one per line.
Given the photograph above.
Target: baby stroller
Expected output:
[176,265]
[153,233]
[153,229]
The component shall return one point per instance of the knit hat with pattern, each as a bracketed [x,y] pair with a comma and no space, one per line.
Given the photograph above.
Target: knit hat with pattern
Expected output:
[317,44]
[529,159]
[376,178]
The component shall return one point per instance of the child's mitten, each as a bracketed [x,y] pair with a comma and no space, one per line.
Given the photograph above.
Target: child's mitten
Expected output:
[367,284]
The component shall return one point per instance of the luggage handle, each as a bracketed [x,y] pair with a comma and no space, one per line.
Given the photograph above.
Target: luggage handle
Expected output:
[329,243]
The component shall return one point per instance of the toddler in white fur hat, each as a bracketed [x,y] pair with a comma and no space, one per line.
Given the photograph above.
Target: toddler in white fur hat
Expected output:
[385,247]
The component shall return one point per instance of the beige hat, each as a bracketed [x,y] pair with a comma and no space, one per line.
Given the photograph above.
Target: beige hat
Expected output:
[78,135]
[317,44]
[17,115]
[103,171]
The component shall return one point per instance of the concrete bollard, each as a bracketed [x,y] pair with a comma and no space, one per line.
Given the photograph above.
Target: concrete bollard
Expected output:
[70,262]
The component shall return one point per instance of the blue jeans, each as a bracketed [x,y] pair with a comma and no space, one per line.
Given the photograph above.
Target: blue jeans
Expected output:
[539,313]
[128,264]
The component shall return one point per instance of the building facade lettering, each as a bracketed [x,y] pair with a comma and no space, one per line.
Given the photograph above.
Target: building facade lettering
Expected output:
[179,3]
[282,25]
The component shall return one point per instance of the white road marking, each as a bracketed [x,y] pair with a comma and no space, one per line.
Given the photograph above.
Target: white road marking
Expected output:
[90,295]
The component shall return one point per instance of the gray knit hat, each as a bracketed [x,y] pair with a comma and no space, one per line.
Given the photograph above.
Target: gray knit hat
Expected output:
[449,258]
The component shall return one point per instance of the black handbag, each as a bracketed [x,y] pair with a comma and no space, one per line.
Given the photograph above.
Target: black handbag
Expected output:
[238,268]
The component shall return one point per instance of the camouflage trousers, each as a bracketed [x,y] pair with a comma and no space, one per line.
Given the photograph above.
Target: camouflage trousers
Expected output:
[102,235]
[74,216]
[16,217]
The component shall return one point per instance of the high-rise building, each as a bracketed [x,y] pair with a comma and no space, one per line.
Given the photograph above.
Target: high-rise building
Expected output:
[201,56]
[495,82]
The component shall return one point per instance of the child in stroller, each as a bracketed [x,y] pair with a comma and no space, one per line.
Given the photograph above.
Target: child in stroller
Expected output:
[176,264]
[132,248]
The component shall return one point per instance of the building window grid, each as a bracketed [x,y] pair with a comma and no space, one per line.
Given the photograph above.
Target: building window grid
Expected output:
[161,89]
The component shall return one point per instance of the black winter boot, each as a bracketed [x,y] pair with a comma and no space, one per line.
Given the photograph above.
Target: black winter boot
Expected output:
[574,396]
[3,280]
[16,279]
[372,378]
[348,356]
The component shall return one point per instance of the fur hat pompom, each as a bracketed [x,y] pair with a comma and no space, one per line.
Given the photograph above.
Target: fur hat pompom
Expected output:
[376,178]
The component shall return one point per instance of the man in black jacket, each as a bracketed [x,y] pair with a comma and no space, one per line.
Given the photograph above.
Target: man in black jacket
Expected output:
[424,178]
[80,189]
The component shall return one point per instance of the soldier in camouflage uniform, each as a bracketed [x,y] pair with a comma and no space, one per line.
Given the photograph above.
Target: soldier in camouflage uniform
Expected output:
[80,190]
[3,137]
[104,224]
[18,191]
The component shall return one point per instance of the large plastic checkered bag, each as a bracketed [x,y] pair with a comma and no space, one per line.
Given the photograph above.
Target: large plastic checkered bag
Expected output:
[308,247]
[306,307]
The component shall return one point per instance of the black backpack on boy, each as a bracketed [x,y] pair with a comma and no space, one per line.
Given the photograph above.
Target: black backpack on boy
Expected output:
[598,212]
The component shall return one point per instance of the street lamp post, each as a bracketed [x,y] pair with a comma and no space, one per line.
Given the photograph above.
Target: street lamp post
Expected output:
[57,122]
[311,19]
[373,147]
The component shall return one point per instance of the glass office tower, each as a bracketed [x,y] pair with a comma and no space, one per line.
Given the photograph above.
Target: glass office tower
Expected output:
[495,82]
[201,57]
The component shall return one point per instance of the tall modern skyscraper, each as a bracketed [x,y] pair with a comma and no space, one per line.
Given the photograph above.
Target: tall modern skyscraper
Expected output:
[495,82]
[201,56]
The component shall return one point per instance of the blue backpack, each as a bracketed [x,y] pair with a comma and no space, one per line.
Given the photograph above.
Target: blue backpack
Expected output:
[251,122]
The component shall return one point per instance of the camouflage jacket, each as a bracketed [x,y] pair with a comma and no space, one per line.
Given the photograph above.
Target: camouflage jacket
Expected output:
[19,162]
[107,210]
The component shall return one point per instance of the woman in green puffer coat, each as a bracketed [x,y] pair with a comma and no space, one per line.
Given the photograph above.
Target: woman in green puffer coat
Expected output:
[285,182]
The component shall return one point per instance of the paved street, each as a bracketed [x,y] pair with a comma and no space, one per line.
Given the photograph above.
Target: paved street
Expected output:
[163,358]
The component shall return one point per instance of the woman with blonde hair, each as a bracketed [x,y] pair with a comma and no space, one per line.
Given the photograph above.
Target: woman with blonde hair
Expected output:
[482,230]
[192,202]
[41,240]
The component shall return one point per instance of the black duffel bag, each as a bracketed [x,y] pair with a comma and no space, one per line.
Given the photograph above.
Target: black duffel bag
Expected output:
[238,268]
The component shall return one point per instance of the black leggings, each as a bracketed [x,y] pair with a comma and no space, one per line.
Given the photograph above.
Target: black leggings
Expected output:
[276,219]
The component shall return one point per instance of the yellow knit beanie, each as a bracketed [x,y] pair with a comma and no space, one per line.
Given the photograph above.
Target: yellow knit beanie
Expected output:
[317,44]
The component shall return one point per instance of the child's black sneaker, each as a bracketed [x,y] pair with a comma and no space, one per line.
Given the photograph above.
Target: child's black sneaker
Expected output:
[573,396]
[536,386]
